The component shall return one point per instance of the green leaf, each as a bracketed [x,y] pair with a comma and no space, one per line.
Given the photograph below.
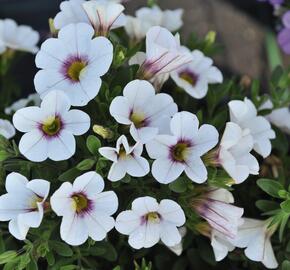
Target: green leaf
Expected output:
[93,144]
[285,206]
[61,248]
[86,164]
[69,267]
[266,206]
[7,256]
[179,185]
[273,51]
[271,187]
[286,265]
[69,175]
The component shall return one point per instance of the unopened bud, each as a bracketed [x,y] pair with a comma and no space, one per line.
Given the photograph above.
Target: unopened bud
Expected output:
[104,132]
[52,28]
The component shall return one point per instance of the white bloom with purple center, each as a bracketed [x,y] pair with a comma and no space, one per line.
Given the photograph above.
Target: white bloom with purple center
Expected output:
[255,236]
[7,130]
[244,113]
[17,37]
[147,113]
[23,204]
[182,150]
[148,222]
[163,53]
[215,206]
[73,63]
[126,159]
[104,15]
[50,129]
[234,153]
[195,77]
[85,209]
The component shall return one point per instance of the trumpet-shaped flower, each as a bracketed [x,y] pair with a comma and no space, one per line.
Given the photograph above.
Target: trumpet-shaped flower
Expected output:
[17,37]
[7,130]
[195,77]
[104,15]
[215,206]
[163,53]
[125,159]
[147,113]
[73,63]
[182,151]
[255,236]
[137,27]
[50,129]
[244,113]
[23,204]
[234,153]
[86,210]
[149,221]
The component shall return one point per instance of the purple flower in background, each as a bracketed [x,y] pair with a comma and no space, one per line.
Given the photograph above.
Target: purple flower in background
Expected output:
[284,34]
[273,2]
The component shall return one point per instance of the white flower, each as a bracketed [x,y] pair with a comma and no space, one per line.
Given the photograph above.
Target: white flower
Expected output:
[147,113]
[137,27]
[21,103]
[125,159]
[255,236]
[104,15]
[215,207]
[86,210]
[234,153]
[7,130]
[23,204]
[221,245]
[195,77]
[50,129]
[17,37]
[163,53]
[150,221]
[244,113]
[73,63]
[71,12]
[182,150]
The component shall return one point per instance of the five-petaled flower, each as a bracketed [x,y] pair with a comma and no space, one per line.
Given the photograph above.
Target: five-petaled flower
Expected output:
[23,204]
[50,129]
[244,113]
[195,77]
[150,221]
[126,159]
[73,63]
[182,150]
[147,113]
[85,209]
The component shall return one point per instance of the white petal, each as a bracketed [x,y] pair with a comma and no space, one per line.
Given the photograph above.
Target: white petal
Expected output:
[184,125]
[169,234]
[144,205]
[136,166]
[144,134]
[117,171]
[31,219]
[34,146]
[39,187]
[127,222]
[109,153]
[196,170]
[19,231]
[61,147]
[120,110]
[90,183]
[77,122]
[106,202]
[15,183]
[171,212]
[160,146]
[166,171]
[269,259]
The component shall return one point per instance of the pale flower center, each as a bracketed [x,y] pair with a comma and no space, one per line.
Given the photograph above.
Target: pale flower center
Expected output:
[138,119]
[122,152]
[80,202]
[34,201]
[51,126]
[74,70]
[180,151]
[189,77]
[152,217]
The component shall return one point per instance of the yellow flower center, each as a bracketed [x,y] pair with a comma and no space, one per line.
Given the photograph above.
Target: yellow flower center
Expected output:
[180,151]
[122,152]
[80,202]
[75,69]
[188,77]
[34,201]
[153,217]
[51,126]
[138,119]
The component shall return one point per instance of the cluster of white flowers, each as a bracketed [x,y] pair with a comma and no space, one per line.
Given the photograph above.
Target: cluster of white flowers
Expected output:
[71,66]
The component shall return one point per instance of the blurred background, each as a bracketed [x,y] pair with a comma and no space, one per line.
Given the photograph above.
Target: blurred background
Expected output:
[240,25]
